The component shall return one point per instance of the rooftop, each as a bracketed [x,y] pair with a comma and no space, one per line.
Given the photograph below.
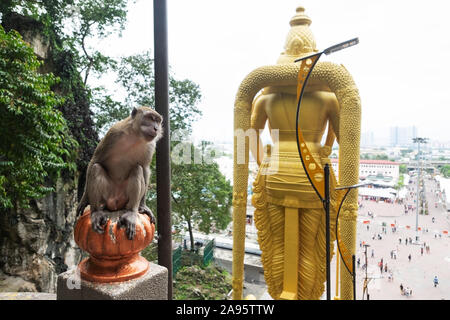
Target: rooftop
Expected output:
[364,161]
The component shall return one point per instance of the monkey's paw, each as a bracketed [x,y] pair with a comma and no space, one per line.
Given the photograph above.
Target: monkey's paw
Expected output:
[128,220]
[147,211]
[98,219]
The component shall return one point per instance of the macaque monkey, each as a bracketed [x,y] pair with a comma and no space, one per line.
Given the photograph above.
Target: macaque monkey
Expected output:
[118,174]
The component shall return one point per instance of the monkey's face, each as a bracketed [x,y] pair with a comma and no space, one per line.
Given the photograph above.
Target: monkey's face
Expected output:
[150,123]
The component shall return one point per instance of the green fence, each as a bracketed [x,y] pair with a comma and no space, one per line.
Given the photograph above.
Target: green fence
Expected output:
[190,258]
[176,260]
[208,252]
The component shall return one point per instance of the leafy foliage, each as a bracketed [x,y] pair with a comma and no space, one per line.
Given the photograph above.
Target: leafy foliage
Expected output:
[445,170]
[88,19]
[400,182]
[403,169]
[70,27]
[76,108]
[35,142]
[201,196]
[136,76]
[195,281]
[367,156]
[201,283]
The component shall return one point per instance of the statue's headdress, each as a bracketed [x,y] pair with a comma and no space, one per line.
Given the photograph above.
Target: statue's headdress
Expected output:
[300,40]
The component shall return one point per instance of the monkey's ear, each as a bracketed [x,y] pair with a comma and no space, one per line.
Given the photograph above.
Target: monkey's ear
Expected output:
[133,113]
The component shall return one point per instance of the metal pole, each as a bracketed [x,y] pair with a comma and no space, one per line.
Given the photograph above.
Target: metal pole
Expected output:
[327,226]
[419,172]
[354,276]
[338,260]
[163,149]
[366,285]
[418,190]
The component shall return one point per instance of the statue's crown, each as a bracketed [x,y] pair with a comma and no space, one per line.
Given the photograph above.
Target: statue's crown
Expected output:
[300,40]
[300,18]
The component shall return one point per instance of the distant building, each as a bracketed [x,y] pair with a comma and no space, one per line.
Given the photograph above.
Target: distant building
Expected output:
[367,139]
[402,136]
[380,172]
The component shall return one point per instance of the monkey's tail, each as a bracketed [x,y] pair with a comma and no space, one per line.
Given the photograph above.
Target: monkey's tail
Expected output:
[84,199]
[82,204]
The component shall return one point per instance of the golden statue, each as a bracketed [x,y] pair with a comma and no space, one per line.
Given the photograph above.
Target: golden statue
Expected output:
[288,214]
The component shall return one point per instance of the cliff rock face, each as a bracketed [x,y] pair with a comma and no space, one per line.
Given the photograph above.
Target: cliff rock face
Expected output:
[37,244]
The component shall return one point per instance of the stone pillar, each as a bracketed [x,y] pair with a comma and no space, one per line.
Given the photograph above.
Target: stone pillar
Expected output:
[115,269]
[151,286]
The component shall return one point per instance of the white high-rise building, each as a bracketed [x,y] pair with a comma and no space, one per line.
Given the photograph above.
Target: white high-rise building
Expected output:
[402,136]
[367,139]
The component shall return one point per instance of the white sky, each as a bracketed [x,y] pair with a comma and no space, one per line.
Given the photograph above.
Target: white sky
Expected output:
[401,65]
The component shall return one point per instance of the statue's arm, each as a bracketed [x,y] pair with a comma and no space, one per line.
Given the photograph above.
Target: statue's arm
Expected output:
[333,118]
[258,121]
[330,137]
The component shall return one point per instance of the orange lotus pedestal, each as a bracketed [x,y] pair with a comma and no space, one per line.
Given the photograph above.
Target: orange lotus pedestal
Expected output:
[113,258]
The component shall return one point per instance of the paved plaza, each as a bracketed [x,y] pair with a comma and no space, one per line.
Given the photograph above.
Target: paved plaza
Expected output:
[417,273]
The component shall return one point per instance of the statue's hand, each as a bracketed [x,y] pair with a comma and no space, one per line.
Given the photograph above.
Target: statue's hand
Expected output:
[325,151]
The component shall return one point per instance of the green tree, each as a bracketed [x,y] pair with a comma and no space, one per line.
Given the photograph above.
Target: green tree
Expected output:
[381,157]
[400,182]
[445,170]
[35,143]
[135,74]
[403,169]
[201,196]
[89,21]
